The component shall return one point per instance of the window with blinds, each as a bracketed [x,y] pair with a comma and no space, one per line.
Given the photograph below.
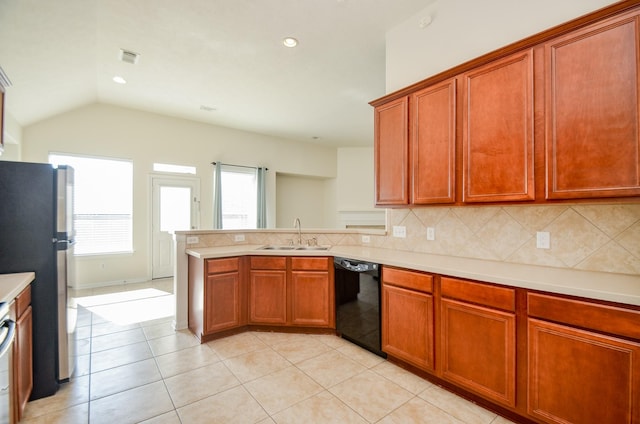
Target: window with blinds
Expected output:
[103,203]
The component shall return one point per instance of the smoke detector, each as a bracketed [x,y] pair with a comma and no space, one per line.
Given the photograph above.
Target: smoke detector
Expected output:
[129,56]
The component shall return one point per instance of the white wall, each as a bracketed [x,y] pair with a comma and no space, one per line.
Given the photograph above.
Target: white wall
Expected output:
[462,30]
[355,191]
[145,138]
[12,138]
[307,198]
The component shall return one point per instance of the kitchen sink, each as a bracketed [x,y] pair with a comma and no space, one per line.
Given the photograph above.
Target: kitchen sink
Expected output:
[275,247]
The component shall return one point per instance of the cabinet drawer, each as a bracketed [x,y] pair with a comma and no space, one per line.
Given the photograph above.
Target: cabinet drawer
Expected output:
[480,293]
[603,318]
[268,262]
[216,266]
[407,279]
[23,300]
[317,264]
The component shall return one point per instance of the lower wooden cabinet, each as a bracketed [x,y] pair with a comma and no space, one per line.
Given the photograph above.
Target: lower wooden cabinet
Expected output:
[268,290]
[478,340]
[216,296]
[294,291]
[22,353]
[407,317]
[312,292]
[584,361]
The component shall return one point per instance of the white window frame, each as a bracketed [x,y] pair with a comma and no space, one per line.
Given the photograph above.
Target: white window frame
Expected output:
[111,220]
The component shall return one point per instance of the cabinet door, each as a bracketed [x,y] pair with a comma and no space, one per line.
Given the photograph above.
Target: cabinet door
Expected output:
[268,297]
[391,151]
[311,303]
[592,112]
[407,326]
[433,144]
[23,358]
[498,131]
[582,377]
[479,350]
[222,302]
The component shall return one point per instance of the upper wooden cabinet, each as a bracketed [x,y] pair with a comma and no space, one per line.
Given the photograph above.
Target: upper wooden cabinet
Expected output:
[497,132]
[433,143]
[592,111]
[391,152]
[554,117]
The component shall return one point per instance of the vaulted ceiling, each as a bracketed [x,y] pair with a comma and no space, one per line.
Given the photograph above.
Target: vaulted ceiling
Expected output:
[215,61]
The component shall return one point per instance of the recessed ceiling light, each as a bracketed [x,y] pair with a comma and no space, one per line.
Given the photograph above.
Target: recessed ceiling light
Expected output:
[290,42]
[118,79]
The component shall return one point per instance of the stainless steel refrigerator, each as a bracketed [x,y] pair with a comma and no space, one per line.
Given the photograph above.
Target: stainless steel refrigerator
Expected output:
[36,234]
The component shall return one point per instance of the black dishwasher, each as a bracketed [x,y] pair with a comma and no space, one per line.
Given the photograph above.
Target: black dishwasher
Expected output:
[358,303]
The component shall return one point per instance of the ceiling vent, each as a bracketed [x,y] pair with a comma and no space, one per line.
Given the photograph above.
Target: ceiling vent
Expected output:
[129,56]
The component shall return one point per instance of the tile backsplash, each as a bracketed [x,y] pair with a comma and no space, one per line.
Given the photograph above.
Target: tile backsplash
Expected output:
[587,237]
[602,238]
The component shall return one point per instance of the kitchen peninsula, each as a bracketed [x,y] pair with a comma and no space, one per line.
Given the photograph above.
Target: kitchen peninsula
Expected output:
[519,318]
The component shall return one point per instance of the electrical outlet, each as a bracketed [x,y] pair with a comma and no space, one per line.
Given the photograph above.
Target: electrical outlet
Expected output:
[192,239]
[431,233]
[366,239]
[239,237]
[399,231]
[543,240]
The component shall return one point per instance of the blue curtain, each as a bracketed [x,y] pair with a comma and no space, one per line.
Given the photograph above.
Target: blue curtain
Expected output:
[262,202]
[217,195]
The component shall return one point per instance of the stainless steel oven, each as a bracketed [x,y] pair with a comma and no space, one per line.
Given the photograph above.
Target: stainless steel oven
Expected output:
[7,334]
[357,287]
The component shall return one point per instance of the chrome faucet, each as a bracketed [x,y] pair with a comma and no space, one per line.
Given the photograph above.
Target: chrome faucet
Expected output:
[296,224]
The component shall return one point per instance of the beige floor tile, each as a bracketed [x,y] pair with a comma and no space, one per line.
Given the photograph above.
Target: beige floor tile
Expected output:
[119,356]
[301,348]
[200,383]
[371,395]
[402,377]
[278,391]
[83,346]
[272,338]
[75,392]
[78,414]
[168,418]
[82,366]
[364,357]
[122,338]
[108,327]
[460,408]
[177,341]
[267,420]
[330,368]
[418,410]
[256,364]
[185,360]
[236,345]
[158,330]
[115,380]
[132,406]
[322,408]
[331,340]
[235,405]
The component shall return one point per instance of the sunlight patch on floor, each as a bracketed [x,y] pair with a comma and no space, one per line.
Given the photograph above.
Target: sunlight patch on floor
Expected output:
[130,307]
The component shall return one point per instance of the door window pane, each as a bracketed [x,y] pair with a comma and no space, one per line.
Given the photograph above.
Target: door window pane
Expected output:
[175,208]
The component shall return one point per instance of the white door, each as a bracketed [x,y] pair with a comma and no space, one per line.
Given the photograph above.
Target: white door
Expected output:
[175,207]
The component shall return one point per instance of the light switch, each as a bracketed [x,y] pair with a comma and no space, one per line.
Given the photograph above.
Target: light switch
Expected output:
[399,231]
[431,233]
[543,240]
[192,239]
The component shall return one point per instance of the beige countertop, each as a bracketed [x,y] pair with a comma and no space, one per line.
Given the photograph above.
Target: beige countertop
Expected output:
[594,285]
[12,284]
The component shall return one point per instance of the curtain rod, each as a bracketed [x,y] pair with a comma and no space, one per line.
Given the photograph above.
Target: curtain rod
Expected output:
[239,166]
